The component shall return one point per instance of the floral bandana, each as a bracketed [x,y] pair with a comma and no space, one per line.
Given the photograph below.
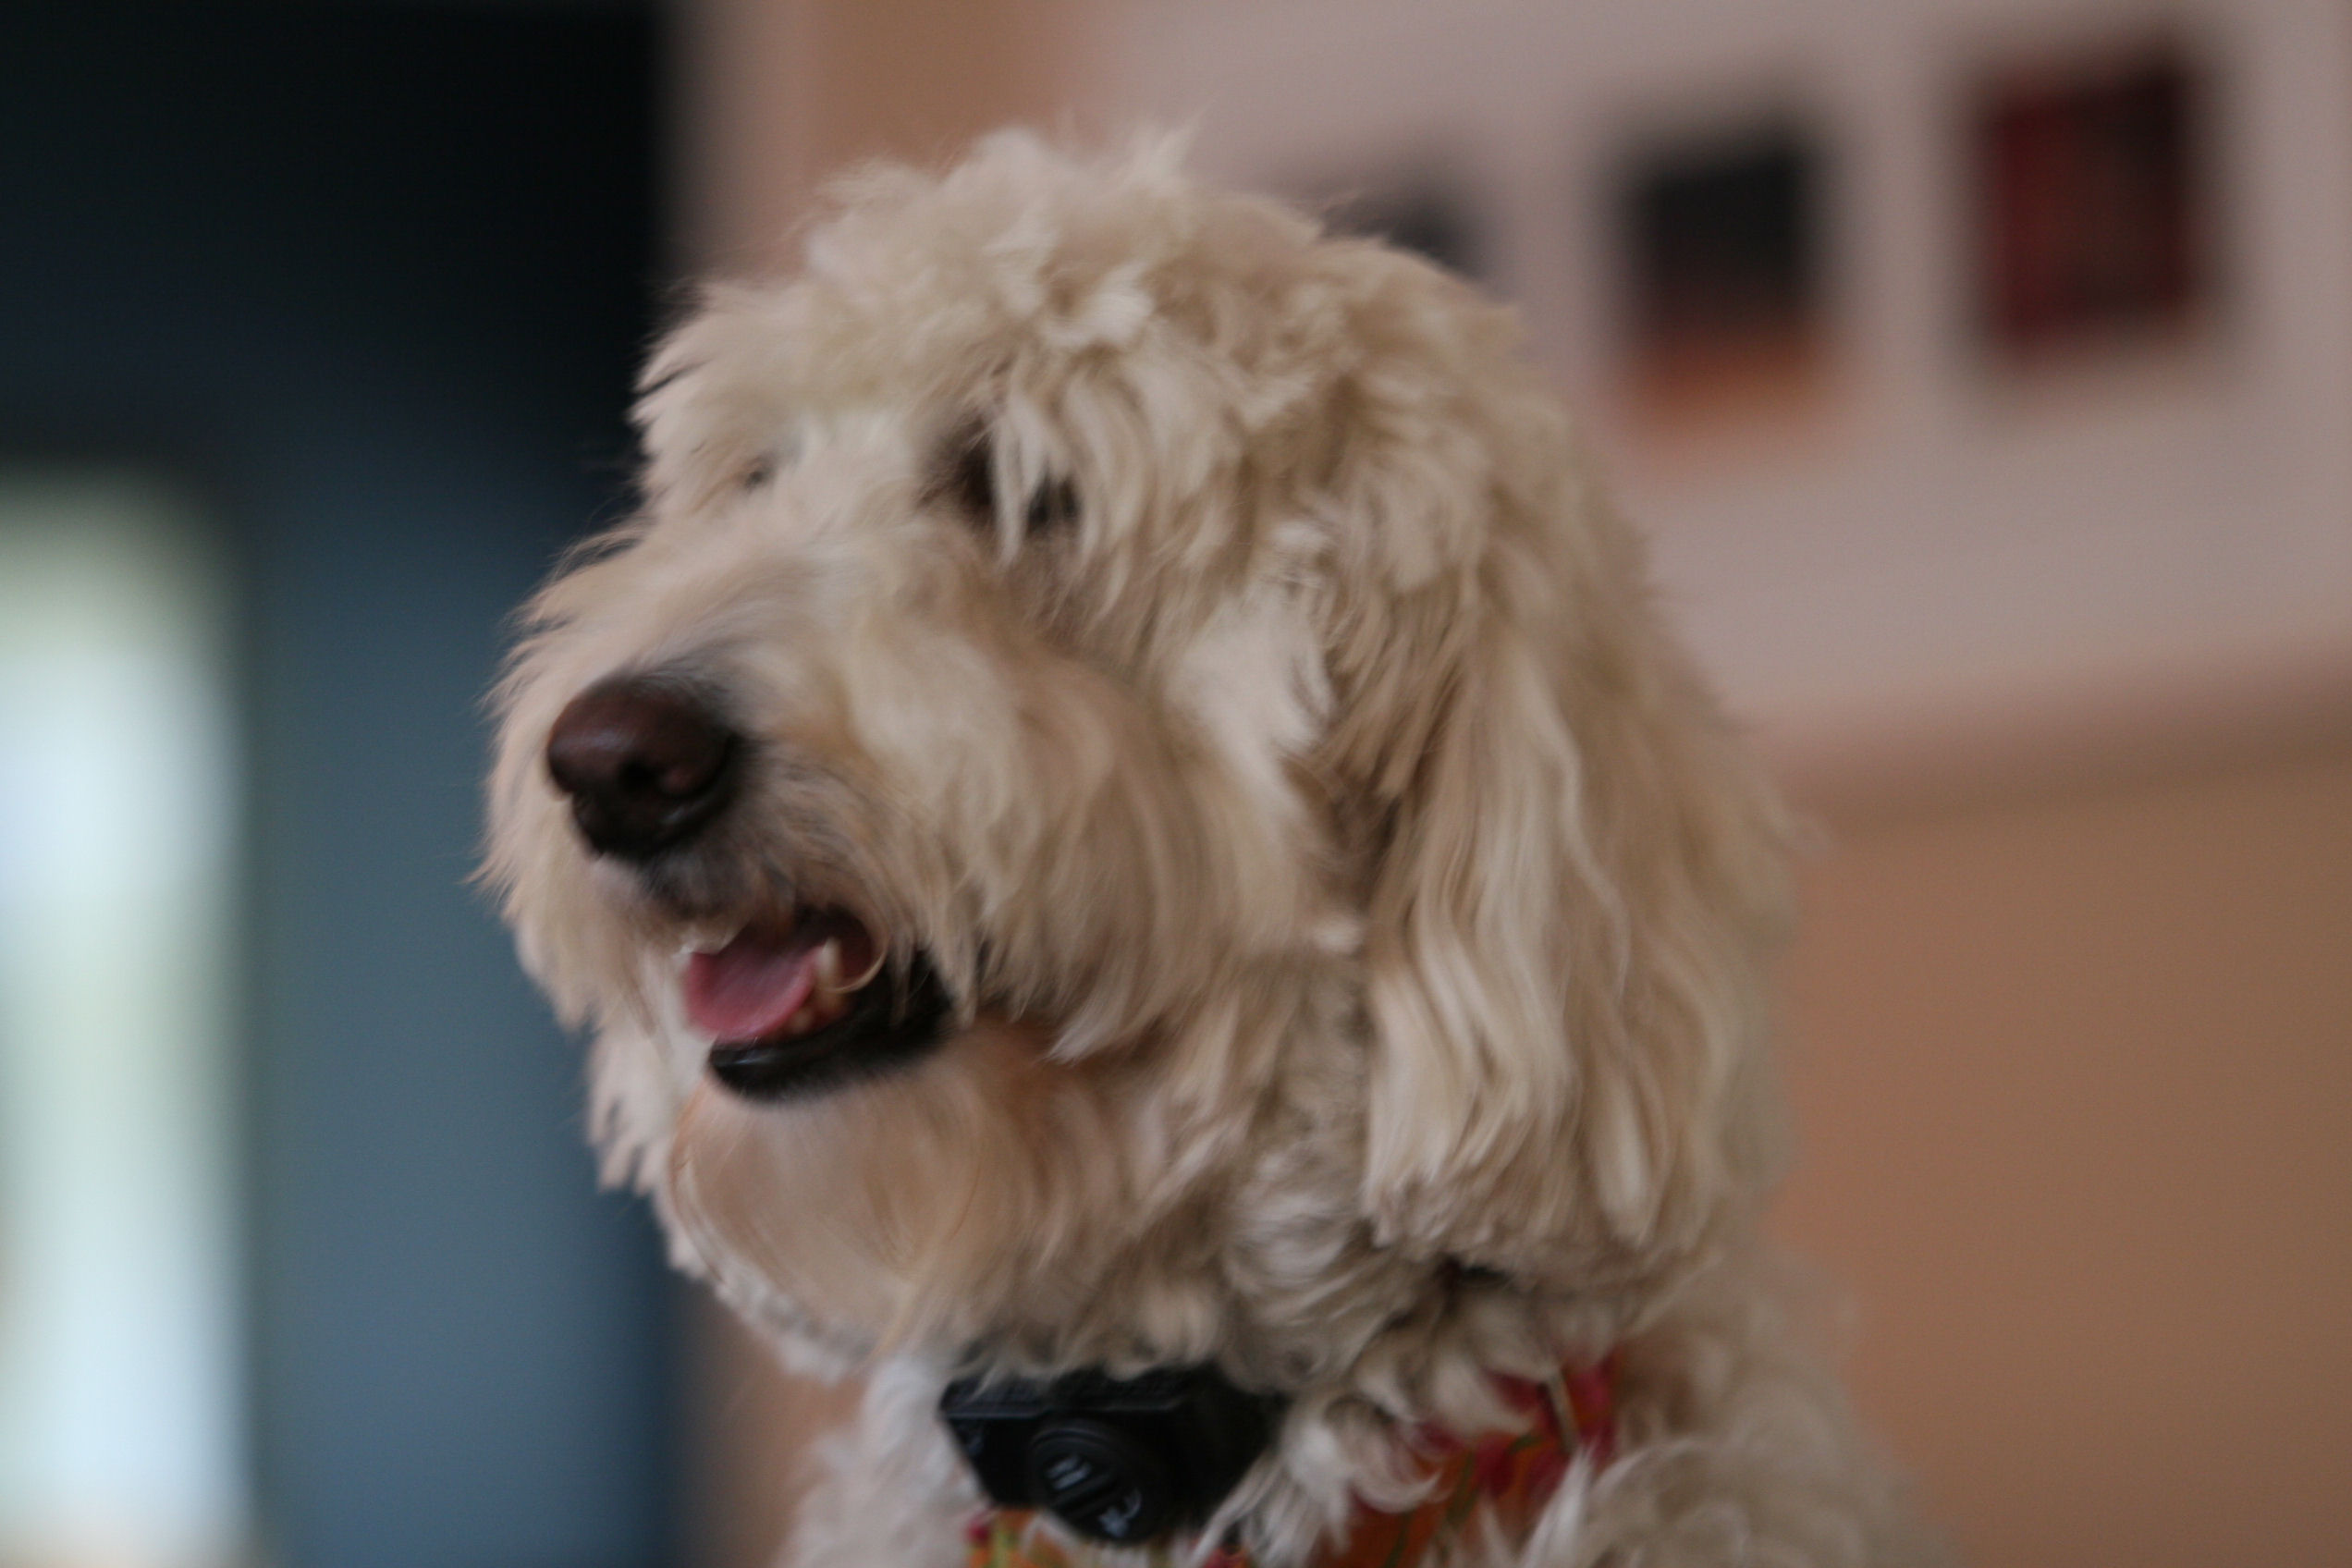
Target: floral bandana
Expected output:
[1512,1474]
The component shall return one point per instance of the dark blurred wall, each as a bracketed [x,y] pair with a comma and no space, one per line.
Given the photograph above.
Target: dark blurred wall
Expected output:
[372,281]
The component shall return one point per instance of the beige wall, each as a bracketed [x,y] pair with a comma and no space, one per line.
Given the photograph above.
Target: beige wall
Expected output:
[2075,1084]
[748,1430]
[780,94]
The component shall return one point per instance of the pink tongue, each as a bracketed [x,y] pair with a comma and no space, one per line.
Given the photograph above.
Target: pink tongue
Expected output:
[749,988]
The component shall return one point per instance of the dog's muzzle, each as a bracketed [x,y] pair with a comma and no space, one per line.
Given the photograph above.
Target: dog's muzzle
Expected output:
[798,1000]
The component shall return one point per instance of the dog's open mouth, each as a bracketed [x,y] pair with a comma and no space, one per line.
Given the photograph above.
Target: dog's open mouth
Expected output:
[808,1001]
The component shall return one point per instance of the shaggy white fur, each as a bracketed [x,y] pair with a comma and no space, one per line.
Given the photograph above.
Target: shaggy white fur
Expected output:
[1197,638]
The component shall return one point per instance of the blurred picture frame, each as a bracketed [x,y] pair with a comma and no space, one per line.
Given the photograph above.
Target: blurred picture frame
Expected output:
[2091,203]
[1720,244]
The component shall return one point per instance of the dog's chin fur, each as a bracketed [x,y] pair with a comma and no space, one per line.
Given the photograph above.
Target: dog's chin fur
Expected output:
[1356,918]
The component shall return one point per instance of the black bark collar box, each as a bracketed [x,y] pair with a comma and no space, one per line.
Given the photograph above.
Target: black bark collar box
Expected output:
[1121,1461]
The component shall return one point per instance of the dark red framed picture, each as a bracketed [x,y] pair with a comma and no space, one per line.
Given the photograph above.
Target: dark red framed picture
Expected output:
[2092,215]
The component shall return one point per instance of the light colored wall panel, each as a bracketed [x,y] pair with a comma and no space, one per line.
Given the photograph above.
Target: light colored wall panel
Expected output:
[2074,1079]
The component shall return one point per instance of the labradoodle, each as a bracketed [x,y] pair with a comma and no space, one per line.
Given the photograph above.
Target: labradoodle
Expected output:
[1147,880]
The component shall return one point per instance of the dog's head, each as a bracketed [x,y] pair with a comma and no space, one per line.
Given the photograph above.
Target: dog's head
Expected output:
[1123,763]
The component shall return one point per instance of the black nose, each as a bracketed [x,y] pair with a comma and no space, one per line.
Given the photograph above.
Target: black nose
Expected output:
[645,762]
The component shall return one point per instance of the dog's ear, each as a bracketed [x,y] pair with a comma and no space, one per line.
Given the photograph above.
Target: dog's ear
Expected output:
[1575,878]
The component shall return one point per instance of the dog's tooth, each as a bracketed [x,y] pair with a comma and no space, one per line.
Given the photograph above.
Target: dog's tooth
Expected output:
[828,967]
[708,938]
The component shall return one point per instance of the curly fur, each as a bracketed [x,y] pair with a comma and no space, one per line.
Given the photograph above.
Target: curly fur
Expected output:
[1358,914]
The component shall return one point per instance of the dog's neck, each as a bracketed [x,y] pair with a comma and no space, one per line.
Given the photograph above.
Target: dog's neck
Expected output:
[1499,1479]
[1154,1458]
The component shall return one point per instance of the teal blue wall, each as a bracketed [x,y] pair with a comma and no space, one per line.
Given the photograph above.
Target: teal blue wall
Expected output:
[372,281]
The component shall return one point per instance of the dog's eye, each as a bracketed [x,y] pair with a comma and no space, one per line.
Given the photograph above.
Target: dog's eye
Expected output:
[969,483]
[1052,505]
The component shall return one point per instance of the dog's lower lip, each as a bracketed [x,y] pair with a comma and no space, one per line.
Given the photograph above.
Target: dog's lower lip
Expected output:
[899,1016]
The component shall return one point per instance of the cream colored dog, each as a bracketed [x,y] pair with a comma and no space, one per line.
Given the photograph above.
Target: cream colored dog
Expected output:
[1125,804]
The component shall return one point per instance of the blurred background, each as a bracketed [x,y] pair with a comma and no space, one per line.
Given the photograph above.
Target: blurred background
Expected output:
[1982,369]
